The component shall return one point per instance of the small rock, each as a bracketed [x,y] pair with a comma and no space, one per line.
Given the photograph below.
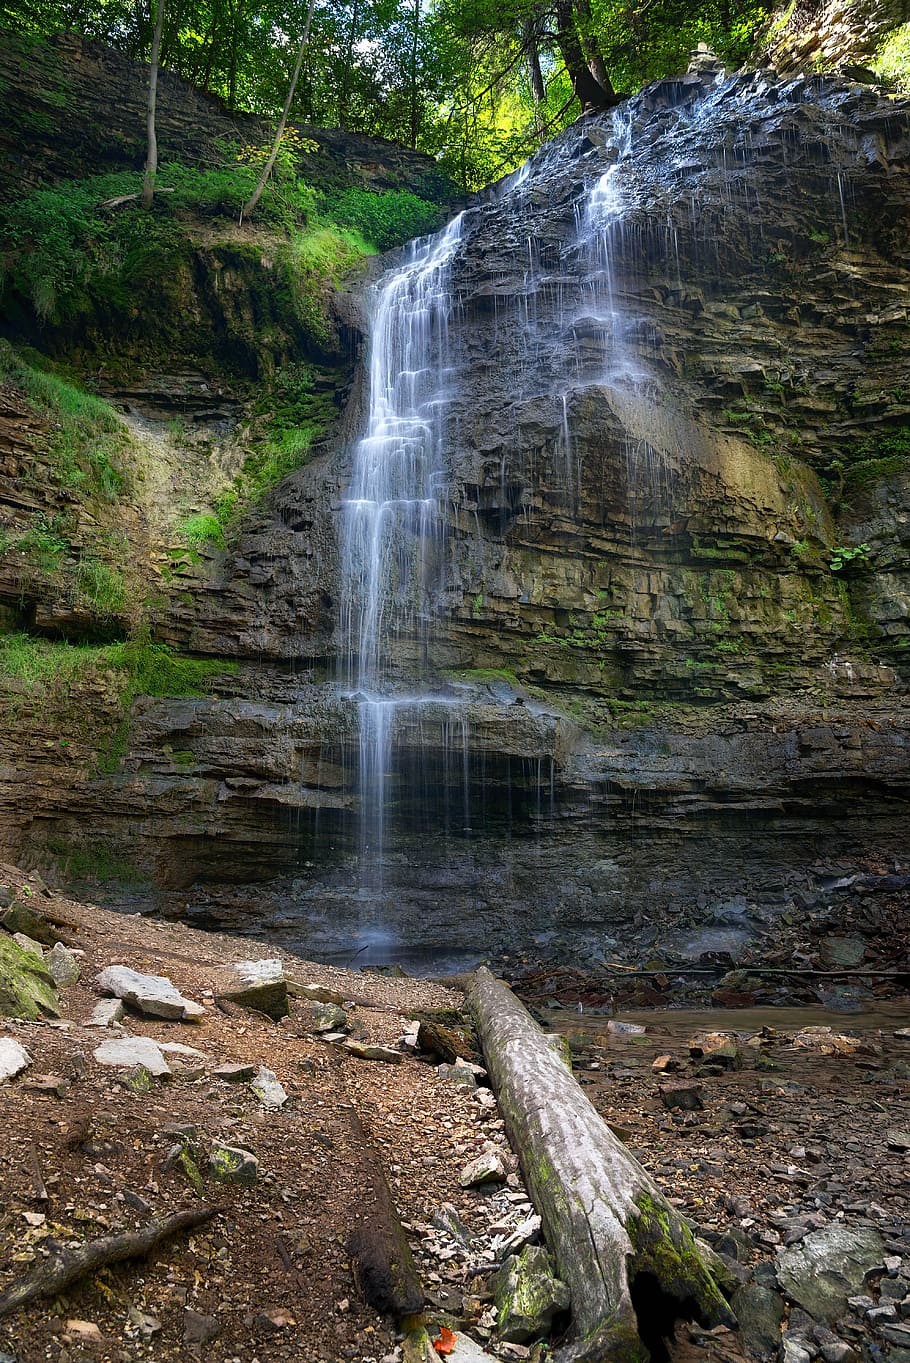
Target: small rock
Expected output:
[684,1095]
[14,1058]
[664,1064]
[82,1332]
[230,1164]
[199,1329]
[125,1052]
[139,1080]
[897,1140]
[153,995]
[626,1028]
[259,985]
[486,1168]
[62,965]
[367,1052]
[316,993]
[326,1017]
[106,1013]
[716,1048]
[527,1295]
[271,1321]
[235,1074]
[267,1088]
[461,1075]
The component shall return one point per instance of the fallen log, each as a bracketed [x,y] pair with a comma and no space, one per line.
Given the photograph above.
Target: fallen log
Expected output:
[629,1259]
[380,1254]
[55,1274]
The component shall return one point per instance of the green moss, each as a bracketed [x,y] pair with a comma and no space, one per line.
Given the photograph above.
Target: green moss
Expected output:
[26,989]
[665,1247]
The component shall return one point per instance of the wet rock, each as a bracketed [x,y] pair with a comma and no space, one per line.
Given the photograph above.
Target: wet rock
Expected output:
[126,1052]
[267,1088]
[828,1267]
[486,1168]
[62,965]
[259,985]
[760,1313]
[527,1295]
[14,1058]
[230,1164]
[26,988]
[153,995]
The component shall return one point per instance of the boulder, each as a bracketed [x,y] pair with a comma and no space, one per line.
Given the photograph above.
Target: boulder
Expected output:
[20,917]
[26,988]
[229,1164]
[259,985]
[325,1017]
[827,1267]
[760,1313]
[153,995]
[314,993]
[528,1295]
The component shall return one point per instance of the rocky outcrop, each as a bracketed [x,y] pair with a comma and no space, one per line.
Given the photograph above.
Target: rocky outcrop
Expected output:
[667,668]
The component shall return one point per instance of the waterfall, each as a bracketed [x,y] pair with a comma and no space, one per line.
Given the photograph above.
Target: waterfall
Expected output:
[393,514]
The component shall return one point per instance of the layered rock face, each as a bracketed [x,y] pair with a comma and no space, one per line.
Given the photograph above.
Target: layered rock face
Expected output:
[656,684]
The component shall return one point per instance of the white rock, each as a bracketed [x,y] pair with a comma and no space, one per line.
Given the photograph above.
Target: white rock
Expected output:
[175,1048]
[267,1088]
[153,995]
[14,1058]
[125,1052]
[106,1013]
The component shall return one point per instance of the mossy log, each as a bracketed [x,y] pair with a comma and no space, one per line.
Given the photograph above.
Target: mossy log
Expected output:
[628,1258]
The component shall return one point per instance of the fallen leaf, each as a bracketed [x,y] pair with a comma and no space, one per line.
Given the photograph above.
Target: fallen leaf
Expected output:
[445,1344]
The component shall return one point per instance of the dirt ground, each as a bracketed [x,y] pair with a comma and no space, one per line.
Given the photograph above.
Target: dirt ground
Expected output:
[787,1135]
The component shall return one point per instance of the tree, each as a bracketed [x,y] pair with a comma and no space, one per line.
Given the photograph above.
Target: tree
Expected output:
[151,160]
[261,183]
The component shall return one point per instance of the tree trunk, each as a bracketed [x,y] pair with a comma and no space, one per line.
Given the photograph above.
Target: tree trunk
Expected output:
[256,195]
[619,1245]
[531,50]
[588,89]
[151,161]
[346,73]
[414,45]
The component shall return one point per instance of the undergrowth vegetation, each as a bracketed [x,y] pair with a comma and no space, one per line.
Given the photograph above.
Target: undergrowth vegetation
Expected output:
[83,244]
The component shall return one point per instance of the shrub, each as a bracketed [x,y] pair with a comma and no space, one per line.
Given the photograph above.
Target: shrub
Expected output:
[386,219]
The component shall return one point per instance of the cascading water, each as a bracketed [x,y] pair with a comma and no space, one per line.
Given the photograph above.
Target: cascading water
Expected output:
[393,514]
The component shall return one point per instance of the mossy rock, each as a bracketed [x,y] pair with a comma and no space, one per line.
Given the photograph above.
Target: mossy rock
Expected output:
[26,989]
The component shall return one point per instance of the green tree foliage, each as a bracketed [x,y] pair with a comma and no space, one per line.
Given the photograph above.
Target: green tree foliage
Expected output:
[476,83]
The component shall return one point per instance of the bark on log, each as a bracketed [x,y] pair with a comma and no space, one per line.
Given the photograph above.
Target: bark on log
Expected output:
[617,1241]
[56,1274]
[378,1246]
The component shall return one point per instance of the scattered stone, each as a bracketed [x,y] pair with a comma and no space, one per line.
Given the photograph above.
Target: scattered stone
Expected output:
[716,1048]
[235,1074]
[14,1058]
[664,1064]
[139,1080]
[259,985]
[271,1321]
[326,1017]
[198,1328]
[684,1095]
[897,1140]
[55,1084]
[26,988]
[82,1332]
[448,1220]
[461,1075]
[527,1295]
[126,1052]
[267,1088]
[106,1013]
[760,1313]
[153,995]
[367,1052]
[62,965]
[229,1164]
[827,1267]
[486,1168]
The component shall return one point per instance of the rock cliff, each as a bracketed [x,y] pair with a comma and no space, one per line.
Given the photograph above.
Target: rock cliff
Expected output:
[669,652]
